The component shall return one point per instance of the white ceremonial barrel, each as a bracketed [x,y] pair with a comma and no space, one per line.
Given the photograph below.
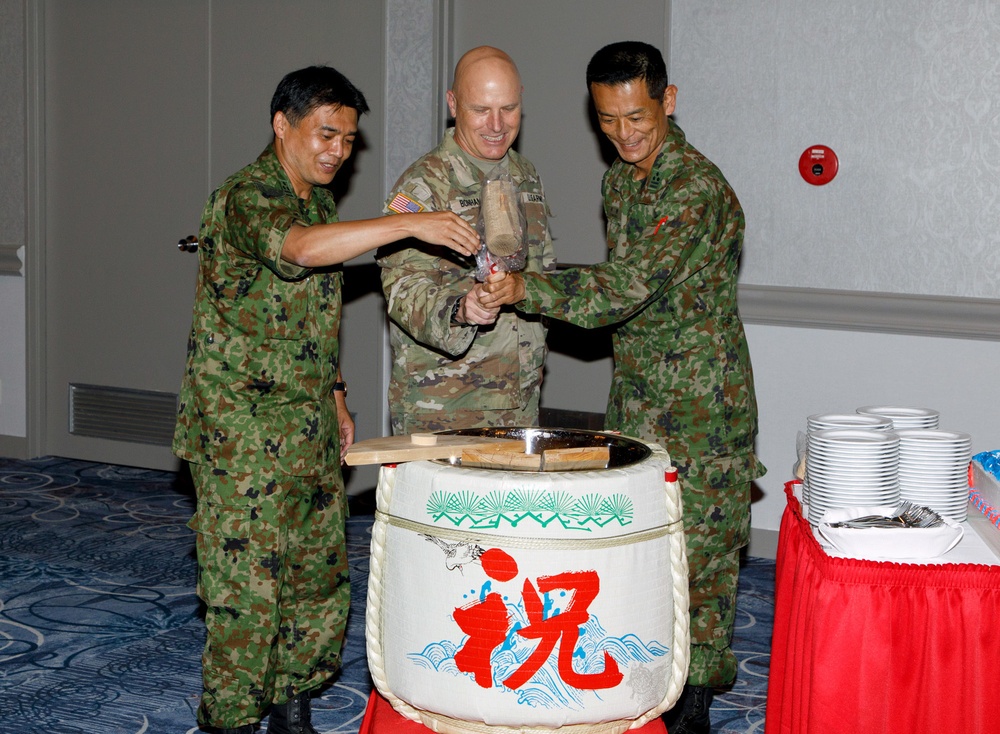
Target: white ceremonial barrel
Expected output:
[505,601]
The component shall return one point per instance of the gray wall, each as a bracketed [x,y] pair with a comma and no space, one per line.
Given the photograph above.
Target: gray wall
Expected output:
[908,95]
[905,92]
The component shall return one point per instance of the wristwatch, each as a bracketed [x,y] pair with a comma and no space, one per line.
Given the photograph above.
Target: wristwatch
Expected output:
[454,312]
[340,387]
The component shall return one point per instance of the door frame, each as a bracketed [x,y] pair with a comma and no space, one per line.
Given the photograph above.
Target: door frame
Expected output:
[35,255]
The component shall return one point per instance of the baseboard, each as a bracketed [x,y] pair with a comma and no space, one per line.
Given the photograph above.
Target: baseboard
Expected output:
[14,447]
[763,543]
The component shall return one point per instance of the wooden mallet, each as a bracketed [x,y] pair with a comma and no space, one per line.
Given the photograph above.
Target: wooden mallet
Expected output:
[499,202]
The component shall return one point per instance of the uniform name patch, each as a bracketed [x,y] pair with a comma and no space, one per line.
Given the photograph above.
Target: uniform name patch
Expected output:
[534,198]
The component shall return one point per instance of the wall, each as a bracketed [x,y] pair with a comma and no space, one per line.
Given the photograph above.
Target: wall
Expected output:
[239,130]
[907,94]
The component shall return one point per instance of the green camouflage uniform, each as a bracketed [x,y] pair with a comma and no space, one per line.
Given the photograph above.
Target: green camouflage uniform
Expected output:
[682,373]
[447,375]
[258,422]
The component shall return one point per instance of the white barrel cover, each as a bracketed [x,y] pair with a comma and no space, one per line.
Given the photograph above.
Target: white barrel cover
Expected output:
[507,601]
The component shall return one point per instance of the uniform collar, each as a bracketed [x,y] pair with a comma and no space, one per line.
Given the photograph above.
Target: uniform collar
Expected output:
[273,173]
[664,167]
[467,173]
[271,169]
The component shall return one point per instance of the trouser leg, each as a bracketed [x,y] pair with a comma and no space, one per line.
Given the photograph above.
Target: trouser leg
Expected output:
[717,526]
[316,591]
[259,540]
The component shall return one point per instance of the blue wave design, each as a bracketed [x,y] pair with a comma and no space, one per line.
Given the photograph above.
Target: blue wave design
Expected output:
[546,688]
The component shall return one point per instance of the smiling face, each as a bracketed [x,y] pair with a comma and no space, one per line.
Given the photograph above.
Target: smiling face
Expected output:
[635,124]
[312,151]
[486,103]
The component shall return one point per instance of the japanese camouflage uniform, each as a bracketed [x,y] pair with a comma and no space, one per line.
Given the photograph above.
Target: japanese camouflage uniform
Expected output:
[447,375]
[682,374]
[258,422]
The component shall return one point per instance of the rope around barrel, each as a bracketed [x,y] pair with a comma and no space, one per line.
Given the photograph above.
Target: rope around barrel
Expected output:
[444,724]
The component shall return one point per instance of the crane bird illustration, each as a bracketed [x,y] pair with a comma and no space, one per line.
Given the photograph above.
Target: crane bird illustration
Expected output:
[458,554]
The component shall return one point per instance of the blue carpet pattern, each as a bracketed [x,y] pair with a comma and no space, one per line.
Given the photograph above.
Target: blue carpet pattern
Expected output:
[101,631]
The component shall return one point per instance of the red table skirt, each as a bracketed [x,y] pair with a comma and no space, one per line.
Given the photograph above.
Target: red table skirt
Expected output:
[880,648]
[381,718]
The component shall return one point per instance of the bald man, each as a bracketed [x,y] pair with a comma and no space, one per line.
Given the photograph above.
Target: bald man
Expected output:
[455,363]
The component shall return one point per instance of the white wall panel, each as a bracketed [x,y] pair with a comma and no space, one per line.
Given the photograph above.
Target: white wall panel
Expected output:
[907,94]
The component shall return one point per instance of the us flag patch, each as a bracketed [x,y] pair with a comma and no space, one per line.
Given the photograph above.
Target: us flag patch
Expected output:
[403,204]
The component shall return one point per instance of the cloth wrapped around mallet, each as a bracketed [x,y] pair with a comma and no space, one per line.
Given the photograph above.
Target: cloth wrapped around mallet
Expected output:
[501,226]
[499,202]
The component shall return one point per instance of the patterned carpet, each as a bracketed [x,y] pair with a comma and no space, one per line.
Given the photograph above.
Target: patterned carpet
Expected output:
[100,628]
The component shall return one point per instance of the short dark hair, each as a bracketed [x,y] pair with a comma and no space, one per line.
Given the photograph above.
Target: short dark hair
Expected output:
[625,61]
[302,91]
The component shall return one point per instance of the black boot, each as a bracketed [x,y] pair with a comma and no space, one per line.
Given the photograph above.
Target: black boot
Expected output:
[690,715]
[291,717]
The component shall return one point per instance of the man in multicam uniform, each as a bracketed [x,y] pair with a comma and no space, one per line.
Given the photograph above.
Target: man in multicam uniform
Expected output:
[454,363]
[262,414]
[682,373]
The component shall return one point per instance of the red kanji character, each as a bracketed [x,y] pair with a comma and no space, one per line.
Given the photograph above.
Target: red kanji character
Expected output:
[565,625]
[486,622]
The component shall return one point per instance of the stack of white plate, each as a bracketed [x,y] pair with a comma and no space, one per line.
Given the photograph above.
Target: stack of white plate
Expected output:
[934,470]
[850,467]
[826,421]
[903,417]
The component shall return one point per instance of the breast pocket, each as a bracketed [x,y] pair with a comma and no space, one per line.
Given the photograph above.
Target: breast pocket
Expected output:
[289,310]
[536,222]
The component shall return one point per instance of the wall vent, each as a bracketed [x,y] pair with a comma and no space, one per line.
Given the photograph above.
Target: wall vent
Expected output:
[122,414]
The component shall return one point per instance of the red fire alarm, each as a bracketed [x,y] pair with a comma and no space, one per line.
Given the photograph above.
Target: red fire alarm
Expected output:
[818,165]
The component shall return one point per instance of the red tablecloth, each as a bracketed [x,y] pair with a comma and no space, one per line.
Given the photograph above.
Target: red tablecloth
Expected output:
[880,648]
[381,718]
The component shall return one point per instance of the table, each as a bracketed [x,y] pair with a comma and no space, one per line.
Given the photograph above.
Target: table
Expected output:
[381,718]
[872,647]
